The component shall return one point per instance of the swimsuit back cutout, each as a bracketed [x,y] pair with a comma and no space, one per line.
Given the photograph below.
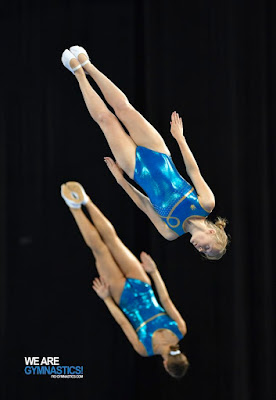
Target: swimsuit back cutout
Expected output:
[140,306]
[172,197]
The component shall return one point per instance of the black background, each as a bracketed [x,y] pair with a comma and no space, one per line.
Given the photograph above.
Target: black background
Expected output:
[213,62]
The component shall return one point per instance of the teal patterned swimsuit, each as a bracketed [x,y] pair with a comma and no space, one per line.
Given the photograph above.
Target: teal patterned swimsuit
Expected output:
[172,197]
[140,306]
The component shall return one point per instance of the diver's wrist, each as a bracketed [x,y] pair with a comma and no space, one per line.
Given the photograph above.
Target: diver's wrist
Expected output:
[107,299]
[181,140]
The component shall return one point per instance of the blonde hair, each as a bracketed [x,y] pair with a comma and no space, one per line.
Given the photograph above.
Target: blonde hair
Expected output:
[222,239]
[177,365]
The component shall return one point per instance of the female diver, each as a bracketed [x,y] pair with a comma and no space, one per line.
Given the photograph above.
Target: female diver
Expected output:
[150,328]
[173,206]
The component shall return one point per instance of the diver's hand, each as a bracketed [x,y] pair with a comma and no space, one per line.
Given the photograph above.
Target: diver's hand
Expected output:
[176,126]
[114,168]
[101,288]
[147,263]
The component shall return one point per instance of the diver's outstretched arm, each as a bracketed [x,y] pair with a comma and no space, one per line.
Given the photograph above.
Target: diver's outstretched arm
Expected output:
[141,201]
[102,290]
[151,268]
[205,194]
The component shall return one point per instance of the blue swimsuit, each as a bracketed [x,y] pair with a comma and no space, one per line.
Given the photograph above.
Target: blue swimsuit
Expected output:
[173,198]
[140,306]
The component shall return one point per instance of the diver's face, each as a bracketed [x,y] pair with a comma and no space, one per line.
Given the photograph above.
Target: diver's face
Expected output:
[204,242]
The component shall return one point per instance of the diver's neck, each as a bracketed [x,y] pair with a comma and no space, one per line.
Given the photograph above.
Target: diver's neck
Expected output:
[195,224]
[163,350]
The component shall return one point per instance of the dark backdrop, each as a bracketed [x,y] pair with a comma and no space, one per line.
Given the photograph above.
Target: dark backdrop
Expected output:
[213,62]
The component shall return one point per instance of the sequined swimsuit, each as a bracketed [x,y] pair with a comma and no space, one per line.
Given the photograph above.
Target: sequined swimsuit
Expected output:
[172,197]
[140,306]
